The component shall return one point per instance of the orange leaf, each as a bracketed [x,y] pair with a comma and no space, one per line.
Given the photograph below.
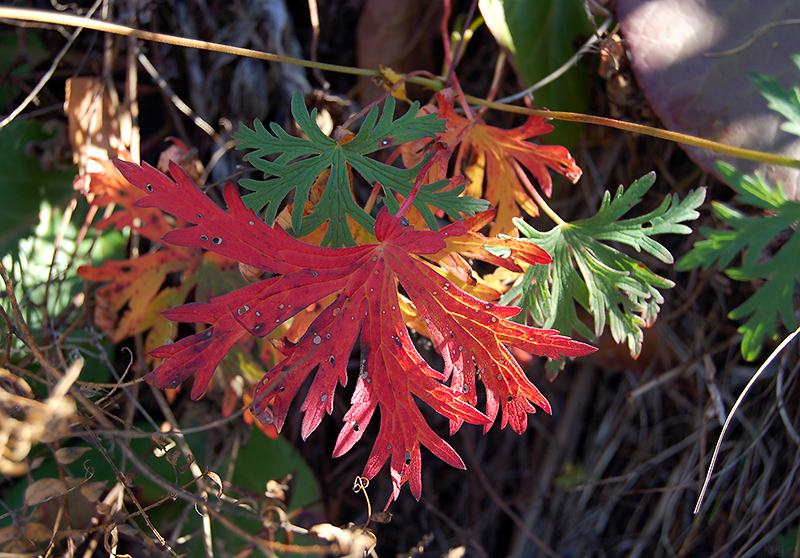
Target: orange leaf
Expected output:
[496,160]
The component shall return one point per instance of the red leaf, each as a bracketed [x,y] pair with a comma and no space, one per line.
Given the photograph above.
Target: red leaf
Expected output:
[110,187]
[134,298]
[471,334]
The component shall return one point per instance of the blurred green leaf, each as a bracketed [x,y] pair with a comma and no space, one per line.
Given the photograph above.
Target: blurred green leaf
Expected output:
[544,34]
[25,185]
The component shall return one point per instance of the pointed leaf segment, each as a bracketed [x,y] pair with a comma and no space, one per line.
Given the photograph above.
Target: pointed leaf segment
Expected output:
[614,287]
[472,335]
[136,286]
[303,160]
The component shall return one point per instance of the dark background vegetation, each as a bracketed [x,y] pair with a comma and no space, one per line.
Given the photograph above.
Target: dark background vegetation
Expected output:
[615,471]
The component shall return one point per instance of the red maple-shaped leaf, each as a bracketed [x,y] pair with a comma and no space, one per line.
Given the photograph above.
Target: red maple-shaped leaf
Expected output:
[495,161]
[135,296]
[472,335]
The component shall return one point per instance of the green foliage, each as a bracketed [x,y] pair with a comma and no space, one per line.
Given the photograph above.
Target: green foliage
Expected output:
[303,160]
[781,101]
[755,237]
[541,35]
[25,184]
[613,286]
[765,259]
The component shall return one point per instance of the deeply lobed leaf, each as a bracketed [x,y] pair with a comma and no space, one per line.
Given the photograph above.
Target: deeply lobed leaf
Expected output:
[302,161]
[496,161]
[787,103]
[752,237]
[615,288]
[135,296]
[472,335]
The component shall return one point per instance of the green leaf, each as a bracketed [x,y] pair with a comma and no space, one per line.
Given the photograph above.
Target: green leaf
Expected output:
[303,160]
[784,102]
[752,237]
[26,186]
[614,287]
[544,34]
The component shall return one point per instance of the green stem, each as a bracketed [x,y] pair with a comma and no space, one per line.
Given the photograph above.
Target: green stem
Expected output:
[750,154]
[539,199]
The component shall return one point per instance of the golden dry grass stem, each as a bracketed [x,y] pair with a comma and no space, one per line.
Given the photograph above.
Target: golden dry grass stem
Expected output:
[58,18]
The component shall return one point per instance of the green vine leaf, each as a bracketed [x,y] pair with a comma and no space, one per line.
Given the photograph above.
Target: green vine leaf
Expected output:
[753,236]
[614,287]
[303,160]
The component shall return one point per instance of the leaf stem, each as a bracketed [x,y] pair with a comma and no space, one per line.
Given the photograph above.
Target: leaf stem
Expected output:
[440,152]
[538,198]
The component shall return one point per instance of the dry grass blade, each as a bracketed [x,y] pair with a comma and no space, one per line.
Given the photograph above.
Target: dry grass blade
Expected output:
[736,405]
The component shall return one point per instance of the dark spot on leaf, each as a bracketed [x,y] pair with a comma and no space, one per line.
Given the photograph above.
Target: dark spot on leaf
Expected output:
[216,240]
[148,186]
[204,238]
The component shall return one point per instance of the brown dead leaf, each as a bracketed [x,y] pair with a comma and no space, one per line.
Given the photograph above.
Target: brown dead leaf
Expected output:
[44,490]
[93,112]
[187,158]
[65,456]
[9,533]
[38,532]
[92,491]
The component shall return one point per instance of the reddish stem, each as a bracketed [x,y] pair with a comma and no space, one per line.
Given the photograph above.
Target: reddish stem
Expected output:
[448,54]
[373,196]
[440,152]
